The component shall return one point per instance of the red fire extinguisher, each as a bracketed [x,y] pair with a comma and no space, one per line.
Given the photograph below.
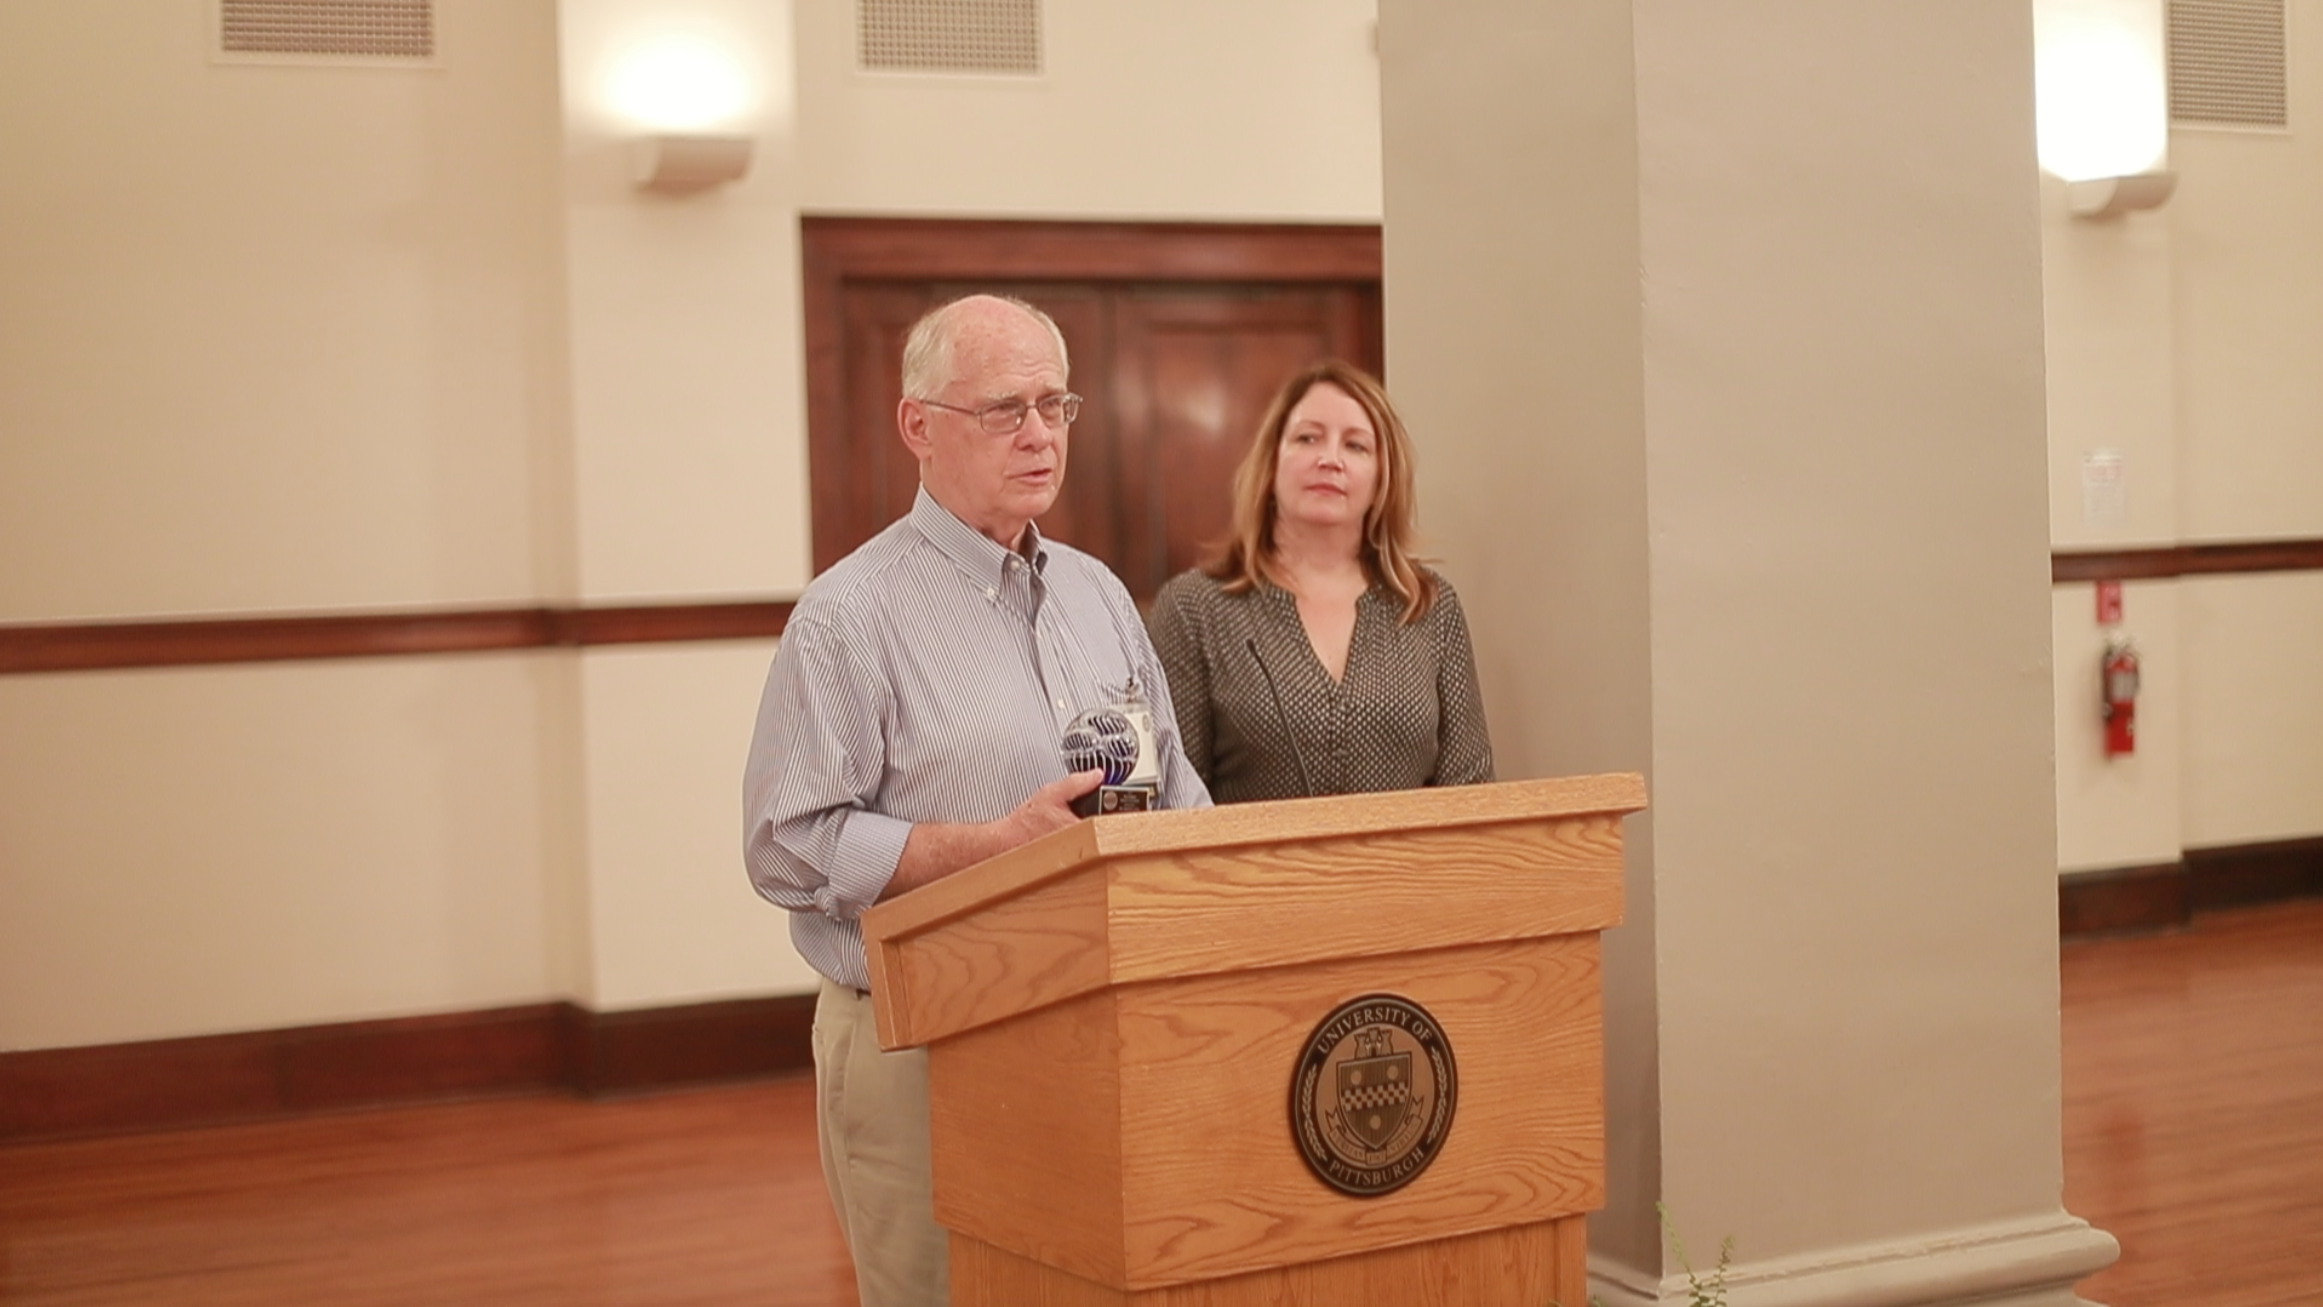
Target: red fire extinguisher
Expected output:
[2117,691]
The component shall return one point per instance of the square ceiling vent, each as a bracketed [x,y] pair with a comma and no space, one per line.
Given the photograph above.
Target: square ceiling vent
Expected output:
[2227,66]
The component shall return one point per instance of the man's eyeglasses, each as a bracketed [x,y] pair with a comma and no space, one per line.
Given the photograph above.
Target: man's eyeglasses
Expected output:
[1005,417]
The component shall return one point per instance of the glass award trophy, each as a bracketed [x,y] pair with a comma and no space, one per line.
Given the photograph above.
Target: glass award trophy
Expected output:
[1118,739]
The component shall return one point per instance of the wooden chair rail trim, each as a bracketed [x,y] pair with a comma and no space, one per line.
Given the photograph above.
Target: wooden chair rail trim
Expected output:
[2165,562]
[29,647]
[93,646]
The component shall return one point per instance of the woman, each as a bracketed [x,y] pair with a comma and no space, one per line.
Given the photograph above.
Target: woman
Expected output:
[1309,654]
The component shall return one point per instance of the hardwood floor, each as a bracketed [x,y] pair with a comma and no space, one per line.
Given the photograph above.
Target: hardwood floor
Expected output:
[2194,1108]
[706,1196]
[2193,1131]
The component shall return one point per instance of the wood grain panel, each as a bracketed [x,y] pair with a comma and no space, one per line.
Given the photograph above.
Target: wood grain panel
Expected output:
[1214,1185]
[866,279]
[1286,821]
[1026,1134]
[93,646]
[1275,905]
[1020,953]
[968,981]
[1193,373]
[1529,1266]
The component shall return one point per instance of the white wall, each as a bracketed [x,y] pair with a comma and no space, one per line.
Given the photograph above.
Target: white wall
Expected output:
[296,339]
[279,339]
[2185,340]
[190,851]
[2248,332]
[672,917]
[2248,315]
[273,338]
[683,312]
[1197,109]
[289,339]
[2119,811]
[2253,718]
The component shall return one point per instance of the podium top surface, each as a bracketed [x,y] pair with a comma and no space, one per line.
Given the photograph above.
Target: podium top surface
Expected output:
[1140,896]
[1278,822]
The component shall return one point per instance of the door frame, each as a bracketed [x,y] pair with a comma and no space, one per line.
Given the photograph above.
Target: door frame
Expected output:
[836,249]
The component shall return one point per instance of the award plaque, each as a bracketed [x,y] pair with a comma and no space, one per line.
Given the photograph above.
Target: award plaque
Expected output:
[1119,740]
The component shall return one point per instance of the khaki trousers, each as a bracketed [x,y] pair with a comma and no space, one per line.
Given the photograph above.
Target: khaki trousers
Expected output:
[871,1117]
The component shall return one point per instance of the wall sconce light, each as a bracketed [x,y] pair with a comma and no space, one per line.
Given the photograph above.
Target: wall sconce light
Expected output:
[2110,197]
[2101,103]
[683,164]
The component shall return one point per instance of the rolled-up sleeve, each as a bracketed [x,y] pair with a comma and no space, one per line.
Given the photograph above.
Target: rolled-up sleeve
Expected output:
[811,842]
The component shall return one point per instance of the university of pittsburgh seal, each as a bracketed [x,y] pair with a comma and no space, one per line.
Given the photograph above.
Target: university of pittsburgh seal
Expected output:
[1372,1095]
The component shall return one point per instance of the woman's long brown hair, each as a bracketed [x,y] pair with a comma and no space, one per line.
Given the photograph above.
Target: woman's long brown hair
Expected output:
[1239,560]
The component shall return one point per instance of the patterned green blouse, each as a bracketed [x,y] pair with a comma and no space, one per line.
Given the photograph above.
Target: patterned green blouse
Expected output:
[1406,714]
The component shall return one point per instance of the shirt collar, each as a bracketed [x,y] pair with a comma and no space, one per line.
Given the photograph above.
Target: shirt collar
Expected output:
[971,549]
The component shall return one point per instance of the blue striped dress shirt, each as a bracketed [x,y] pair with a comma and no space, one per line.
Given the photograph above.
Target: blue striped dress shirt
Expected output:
[927,677]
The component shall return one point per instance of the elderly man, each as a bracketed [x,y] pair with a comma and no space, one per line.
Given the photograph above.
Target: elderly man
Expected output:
[909,729]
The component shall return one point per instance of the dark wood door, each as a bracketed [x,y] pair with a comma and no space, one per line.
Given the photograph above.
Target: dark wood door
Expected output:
[1176,363]
[1193,368]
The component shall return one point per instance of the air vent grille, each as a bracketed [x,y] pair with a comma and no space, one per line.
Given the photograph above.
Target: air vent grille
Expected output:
[328,29]
[949,36]
[2226,64]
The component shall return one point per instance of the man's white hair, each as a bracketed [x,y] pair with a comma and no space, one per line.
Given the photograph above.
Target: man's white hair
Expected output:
[927,351]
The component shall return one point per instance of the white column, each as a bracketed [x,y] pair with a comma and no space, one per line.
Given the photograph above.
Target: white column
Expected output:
[1719,323]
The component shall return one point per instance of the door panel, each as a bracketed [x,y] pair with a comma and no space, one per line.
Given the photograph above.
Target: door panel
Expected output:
[877,479]
[1196,367]
[1175,371]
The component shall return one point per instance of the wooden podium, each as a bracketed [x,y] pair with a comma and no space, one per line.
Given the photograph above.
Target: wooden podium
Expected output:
[1130,1058]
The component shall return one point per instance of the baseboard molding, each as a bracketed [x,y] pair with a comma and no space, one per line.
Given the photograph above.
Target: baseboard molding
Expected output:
[2164,896]
[2020,1263]
[256,1075]
[2123,899]
[656,1048]
[2231,875]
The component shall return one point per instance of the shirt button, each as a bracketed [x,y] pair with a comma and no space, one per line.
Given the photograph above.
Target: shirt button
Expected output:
[991,593]
[1060,705]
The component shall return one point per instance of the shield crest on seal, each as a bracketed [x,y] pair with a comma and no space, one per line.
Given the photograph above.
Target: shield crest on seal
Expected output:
[1374,1094]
